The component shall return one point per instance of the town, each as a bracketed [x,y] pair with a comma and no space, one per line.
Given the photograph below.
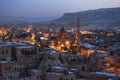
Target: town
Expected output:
[29,53]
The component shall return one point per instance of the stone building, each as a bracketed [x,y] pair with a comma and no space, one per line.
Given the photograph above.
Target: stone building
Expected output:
[77,61]
[59,73]
[5,52]
[10,70]
[94,62]
[20,61]
[2,77]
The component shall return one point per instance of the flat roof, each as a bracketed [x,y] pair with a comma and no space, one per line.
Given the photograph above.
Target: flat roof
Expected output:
[58,67]
[54,73]
[107,74]
[73,69]
[2,44]
[5,62]
[35,70]
[25,46]
[89,46]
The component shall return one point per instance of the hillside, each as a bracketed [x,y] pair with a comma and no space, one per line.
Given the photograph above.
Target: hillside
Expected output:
[9,20]
[108,18]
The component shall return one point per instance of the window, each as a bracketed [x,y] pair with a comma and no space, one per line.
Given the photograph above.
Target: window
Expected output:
[38,77]
[25,59]
[61,78]
[6,68]
[35,59]
[35,51]
[83,68]
[10,77]
[28,53]
[6,51]
[16,69]
[3,52]
[32,52]
[9,68]
[72,78]
[22,51]
[25,51]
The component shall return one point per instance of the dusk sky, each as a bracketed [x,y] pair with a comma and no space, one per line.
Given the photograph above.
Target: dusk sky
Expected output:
[45,8]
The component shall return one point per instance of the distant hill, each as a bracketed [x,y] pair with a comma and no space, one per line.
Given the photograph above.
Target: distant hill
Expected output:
[6,20]
[106,18]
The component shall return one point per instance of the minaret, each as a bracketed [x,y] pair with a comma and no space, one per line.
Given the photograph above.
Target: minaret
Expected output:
[78,36]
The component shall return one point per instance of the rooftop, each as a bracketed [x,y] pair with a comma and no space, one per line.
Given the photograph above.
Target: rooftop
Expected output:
[11,43]
[58,67]
[25,46]
[5,62]
[88,46]
[35,70]
[55,73]
[107,74]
